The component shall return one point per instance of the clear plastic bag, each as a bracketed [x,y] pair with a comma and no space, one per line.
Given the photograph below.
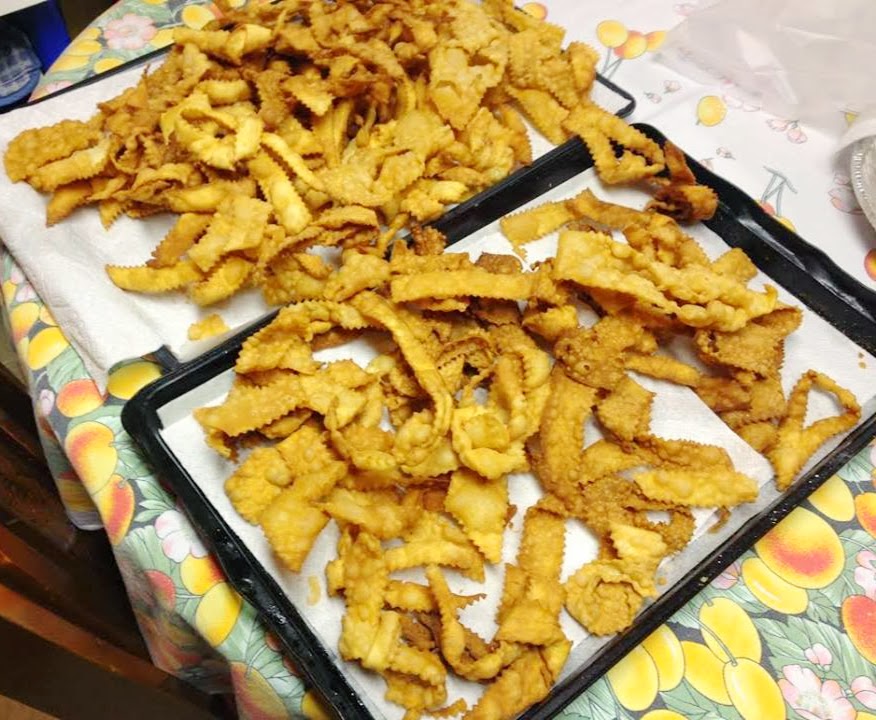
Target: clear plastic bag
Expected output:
[800,59]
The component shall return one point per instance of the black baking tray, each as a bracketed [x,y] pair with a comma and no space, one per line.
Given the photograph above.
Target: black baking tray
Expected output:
[814,279]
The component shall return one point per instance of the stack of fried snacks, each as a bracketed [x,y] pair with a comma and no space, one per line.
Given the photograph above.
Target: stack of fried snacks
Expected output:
[484,370]
[306,122]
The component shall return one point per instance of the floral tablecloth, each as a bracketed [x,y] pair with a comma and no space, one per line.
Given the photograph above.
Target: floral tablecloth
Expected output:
[788,630]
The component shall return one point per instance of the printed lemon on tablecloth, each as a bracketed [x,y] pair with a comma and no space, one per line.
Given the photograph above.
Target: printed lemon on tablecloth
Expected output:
[612,33]
[22,318]
[625,44]
[199,574]
[70,62]
[217,613]
[728,630]
[46,316]
[636,44]
[704,671]
[9,289]
[105,64]
[254,695]
[663,714]
[89,446]
[870,264]
[634,680]
[45,346]
[127,380]
[803,549]
[162,37]
[754,694]
[665,650]
[85,48]
[196,16]
[771,590]
[865,510]
[711,110]
[313,708]
[834,500]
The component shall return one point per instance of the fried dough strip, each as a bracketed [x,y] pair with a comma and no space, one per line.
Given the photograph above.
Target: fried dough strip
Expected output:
[662,367]
[413,597]
[481,507]
[526,681]
[532,596]
[231,46]
[66,199]
[291,159]
[34,148]
[257,482]
[694,295]
[413,695]
[543,111]
[81,165]
[561,435]
[238,224]
[453,637]
[437,551]
[282,343]
[367,632]
[795,443]
[292,522]
[290,210]
[231,274]
[154,280]
[626,412]
[461,283]
[642,157]
[697,488]
[527,225]
[757,347]
[249,408]
[185,232]
[379,310]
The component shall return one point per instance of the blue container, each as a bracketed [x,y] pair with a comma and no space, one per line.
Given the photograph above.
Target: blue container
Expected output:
[44,24]
[19,66]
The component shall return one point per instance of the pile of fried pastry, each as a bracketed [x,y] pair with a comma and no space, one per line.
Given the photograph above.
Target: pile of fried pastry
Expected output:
[306,124]
[484,370]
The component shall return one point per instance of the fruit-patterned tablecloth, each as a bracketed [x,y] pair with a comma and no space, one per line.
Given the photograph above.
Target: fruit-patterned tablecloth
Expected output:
[788,630]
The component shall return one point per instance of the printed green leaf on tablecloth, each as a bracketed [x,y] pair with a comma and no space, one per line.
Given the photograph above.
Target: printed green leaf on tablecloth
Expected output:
[693,705]
[789,640]
[597,703]
[64,368]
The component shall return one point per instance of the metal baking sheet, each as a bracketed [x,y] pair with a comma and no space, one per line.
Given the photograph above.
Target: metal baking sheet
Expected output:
[821,287]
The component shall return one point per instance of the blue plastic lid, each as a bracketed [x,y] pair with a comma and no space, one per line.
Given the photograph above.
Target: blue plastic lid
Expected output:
[19,65]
